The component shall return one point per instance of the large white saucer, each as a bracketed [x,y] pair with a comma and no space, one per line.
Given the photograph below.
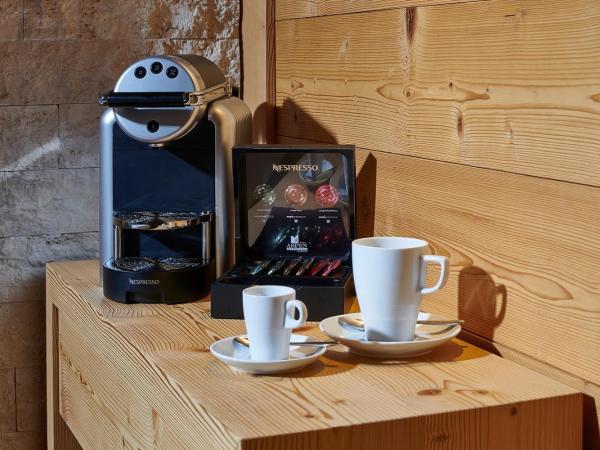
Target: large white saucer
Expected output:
[238,357]
[427,338]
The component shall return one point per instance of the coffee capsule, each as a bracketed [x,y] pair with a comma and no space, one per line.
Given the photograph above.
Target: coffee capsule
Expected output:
[327,196]
[259,266]
[276,266]
[320,265]
[265,194]
[304,266]
[331,267]
[292,265]
[295,195]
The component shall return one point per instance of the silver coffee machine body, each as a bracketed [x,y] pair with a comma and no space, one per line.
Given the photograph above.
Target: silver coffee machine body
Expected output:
[166,208]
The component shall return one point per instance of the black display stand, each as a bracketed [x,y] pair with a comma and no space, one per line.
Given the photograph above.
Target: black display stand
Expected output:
[317,221]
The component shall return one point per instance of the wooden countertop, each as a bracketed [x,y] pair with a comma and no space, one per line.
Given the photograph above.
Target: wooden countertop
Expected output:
[141,376]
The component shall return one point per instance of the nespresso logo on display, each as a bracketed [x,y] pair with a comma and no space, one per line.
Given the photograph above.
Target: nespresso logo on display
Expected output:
[136,282]
[294,167]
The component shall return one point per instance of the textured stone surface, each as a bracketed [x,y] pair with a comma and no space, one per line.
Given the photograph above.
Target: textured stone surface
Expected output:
[79,135]
[29,137]
[30,398]
[192,19]
[11,19]
[21,334]
[28,440]
[62,54]
[62,71]
[7,401]
[53,72]
[153,19]
[48,202]
[224,53]
[23,259]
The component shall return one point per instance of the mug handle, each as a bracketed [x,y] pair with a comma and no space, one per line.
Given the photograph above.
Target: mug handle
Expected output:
[442,261]
[290,309]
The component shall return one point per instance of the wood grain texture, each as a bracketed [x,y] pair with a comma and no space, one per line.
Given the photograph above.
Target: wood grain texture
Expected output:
[112,395]
[258,66]
[507,85]
[591,391]
[508,277]
[447,399]
[58,435]
[491,297]
[294,9]
[510,85]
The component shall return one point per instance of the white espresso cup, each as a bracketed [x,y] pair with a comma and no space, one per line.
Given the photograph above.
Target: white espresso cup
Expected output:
[389,276]
[269,313]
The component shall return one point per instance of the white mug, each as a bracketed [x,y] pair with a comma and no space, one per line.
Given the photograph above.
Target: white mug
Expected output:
[389,276]
[269,314]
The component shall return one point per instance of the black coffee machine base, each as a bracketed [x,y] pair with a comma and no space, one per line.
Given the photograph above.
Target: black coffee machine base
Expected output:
[158,286]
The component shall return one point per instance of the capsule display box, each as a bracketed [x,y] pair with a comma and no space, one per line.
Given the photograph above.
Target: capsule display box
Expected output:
[295,222]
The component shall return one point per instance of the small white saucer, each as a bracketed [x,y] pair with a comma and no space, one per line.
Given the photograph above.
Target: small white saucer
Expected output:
[238,357]
[427,338]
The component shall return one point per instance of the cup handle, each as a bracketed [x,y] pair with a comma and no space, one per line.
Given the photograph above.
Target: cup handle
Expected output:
[290,308]
[442,261]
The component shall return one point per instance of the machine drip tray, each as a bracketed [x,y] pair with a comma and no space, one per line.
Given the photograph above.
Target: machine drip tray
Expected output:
[139,279]
[147,264]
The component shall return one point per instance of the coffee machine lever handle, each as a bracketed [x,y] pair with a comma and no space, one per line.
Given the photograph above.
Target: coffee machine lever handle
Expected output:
[164,99]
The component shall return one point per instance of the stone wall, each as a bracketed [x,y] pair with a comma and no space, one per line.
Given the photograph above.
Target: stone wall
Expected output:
[58,55]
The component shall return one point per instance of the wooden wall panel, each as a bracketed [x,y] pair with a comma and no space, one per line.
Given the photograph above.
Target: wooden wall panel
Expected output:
[258,66]
[511,85]
[479,130]
[508,277]
[294,9]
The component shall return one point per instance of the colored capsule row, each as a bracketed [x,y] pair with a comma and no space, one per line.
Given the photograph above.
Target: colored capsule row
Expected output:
[296,195]
[296,267]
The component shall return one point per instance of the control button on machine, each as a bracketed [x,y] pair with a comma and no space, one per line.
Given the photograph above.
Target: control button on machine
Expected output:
[172,72]
[140,72]
[153,126]
[156,67]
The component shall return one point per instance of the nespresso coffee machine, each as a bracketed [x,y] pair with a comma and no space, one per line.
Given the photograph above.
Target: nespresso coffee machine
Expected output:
[166,183]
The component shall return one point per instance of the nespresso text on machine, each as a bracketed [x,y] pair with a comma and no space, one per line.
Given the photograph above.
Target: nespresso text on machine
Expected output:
[166,184]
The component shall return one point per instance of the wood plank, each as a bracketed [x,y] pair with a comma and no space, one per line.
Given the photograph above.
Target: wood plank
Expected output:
[58,435]
[170,403]
[504,84]
[91,428]
[449,393]
[115,398]
[312,398]
[467,431]
[591,412]
[508,237]
[512,417]
[294,9]
[258,66]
